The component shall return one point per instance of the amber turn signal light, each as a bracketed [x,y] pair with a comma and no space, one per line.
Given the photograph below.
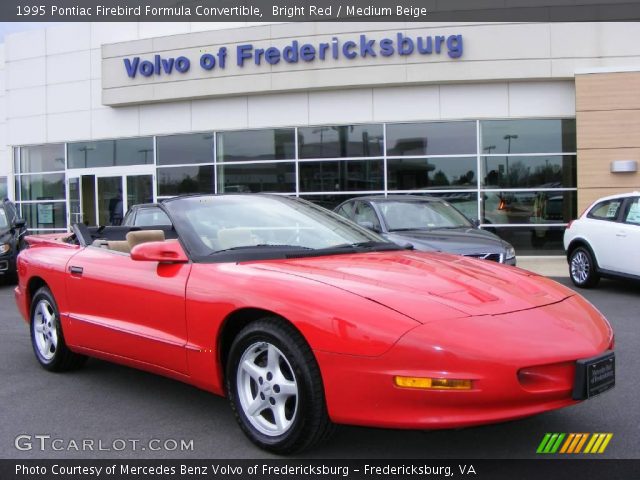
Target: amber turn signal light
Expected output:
[433,383]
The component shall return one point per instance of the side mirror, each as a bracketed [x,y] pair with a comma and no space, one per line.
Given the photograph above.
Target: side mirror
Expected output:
[19,223]
[169,251]
[475,223]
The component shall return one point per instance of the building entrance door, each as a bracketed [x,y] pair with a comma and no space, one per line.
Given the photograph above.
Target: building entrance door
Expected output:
[104,198]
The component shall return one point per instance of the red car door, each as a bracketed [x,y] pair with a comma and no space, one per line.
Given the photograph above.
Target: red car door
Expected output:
[132,309]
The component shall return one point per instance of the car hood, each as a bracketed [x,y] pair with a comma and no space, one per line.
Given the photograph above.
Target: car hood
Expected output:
[409,282]
[454,240]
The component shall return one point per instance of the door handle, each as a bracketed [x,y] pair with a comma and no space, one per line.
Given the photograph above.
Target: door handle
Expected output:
[75,270]
[621,234]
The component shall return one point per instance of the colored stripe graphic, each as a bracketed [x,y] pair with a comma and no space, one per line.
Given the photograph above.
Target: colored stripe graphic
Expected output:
[567,443]
[598,443]
[572,443]
[604,445]
[543,443]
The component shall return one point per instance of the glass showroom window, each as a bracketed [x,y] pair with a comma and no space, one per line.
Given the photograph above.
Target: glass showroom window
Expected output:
[342,175]
[253,145]
[111,153]
[335,160]
[437,159]
[340,141]
[192,157]
[528,180]
[182,180]
[4,190]
[273,177]
[256,161]
[430,139]
[40,187]
[189,149]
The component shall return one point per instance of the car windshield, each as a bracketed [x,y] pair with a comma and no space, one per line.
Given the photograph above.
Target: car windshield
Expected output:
[3,218]
[212,225]
[417,215]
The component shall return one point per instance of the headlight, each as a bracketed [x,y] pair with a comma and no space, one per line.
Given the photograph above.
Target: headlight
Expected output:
[4,248]
[511,252]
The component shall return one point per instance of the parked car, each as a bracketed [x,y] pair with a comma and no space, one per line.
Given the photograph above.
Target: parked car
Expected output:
[604,241]
[426,223]
[145,215]
[12,230]
[304,319]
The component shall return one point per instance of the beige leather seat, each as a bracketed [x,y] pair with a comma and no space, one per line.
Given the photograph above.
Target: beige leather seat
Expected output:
[144,236]
[235,237]
[119,246]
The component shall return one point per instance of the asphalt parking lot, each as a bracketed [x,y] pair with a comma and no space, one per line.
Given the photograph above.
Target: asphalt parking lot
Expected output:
[106,403]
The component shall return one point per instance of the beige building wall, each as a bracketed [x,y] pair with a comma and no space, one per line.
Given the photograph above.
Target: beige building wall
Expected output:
[608,129]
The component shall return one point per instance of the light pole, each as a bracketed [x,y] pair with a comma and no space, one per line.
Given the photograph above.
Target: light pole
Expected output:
[508,138]
[487,149]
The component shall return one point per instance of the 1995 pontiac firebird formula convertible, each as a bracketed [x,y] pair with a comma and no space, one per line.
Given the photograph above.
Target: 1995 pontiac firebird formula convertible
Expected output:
[304,319]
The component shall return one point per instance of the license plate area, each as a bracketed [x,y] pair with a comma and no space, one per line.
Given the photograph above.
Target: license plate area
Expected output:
[594,376]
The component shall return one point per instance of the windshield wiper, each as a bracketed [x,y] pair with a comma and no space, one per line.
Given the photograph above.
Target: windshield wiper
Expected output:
[357,247]
[259,246]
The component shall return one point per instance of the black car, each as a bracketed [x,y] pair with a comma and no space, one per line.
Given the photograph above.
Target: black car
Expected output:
[426,223]
[145,215]
[12,231]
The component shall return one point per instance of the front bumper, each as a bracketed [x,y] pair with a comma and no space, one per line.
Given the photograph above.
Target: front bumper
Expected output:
[7,264]
[520,364]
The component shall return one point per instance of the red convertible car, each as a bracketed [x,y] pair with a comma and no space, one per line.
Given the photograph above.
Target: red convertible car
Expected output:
[304,319]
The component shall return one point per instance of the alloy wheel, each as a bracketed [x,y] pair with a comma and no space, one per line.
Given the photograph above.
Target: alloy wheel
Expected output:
[267,389]
[45,330]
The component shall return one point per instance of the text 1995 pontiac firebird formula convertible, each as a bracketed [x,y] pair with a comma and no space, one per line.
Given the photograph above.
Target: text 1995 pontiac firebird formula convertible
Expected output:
[304,319]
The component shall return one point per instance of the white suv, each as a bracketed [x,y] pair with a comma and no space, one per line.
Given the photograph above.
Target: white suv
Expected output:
[605,241]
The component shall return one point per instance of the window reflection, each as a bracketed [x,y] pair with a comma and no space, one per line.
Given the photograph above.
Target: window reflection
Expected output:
[528,136]
[341,175]
[528,207]
[41,158]
[435,138]
[420,173]
[270,144]
[183,149]
[529,172]
[45,215]
[42,187]
[533,240]
[182,180]
[110,153]
[3,188]
[257,177]
[340,141]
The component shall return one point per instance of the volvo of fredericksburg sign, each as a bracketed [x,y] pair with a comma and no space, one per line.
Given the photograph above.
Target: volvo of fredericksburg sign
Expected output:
[363,47]
[269,58]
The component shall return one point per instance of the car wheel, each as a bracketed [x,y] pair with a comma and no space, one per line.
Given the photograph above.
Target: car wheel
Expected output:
[46,335]
[275,388]
[582,268]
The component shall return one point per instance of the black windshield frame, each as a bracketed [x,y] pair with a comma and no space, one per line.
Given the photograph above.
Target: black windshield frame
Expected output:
[176,208]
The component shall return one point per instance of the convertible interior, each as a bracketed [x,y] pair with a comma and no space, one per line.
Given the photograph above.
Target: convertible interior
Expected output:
[120,239]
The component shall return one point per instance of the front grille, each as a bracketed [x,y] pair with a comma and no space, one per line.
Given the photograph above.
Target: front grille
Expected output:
[494,257]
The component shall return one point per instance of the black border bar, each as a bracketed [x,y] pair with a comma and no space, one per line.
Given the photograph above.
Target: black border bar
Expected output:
[319,10]
[531,469]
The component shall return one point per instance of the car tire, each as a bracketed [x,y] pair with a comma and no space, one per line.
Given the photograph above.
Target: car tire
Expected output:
[47,338]
[582,268]
[275,388]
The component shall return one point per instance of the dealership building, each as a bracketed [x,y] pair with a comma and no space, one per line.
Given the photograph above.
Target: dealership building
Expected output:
[519,125]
